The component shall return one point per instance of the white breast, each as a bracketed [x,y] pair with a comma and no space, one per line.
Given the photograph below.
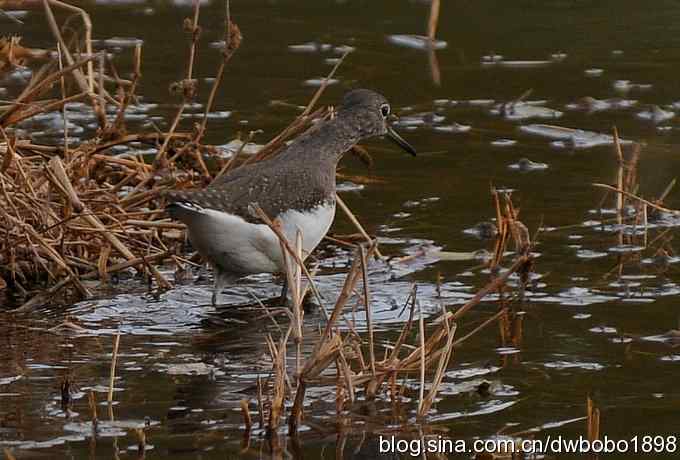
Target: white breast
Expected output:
[313,224]
[242,247]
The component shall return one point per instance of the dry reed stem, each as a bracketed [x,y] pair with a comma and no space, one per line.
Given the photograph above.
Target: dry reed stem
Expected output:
[421,334]
[232,41]
[444,359]
[187,85]
[260,402]
[232,160]
[119,123]
[112,374]
[258,212]
[326,351]
[38,86]
[247,420]
[141,441]
[489,288]
[62,87]
[278,354]
[491,320]
[300,123]
[86,86]
[63,183]
[367,306]
[637,198]
[592,420]
[350,215]
[433,20]
[92,403]
[85,234]
[329,350]
[619,182]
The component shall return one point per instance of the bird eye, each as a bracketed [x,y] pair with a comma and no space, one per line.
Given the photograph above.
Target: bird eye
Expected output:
[385,110]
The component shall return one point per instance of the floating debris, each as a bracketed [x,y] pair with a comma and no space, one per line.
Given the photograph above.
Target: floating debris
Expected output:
[453,128]
[507,350]
[593,72]
[419,119]
[316,82]
[516,111]
[15,14]
[189,369]
[558,57]
[574,365]
[344,49]
[8,380]
[578,296]
[526,165]
[310,47]
[219,115]
[478,102]
[419,42]
[481,255]
[523,64]
[625,86]
[656,115]
[122,42]
[347,186]
[491,59]
[503,142]
[603,330]
[236,145]
[569,137]
[626,248]
[444,102]
[483,230]
[590,104]
[661,260]
[498,60]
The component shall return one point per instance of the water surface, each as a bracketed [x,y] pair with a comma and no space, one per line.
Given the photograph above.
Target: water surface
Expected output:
[589,329]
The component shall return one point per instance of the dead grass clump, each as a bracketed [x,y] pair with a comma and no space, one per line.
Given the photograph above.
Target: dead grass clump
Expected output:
[72,212]
[358,364]
[634,212]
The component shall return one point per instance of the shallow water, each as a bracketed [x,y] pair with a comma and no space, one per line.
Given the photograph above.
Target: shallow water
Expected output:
[589,329]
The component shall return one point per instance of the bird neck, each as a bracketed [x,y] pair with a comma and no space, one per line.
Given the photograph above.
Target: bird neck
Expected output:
[327,141]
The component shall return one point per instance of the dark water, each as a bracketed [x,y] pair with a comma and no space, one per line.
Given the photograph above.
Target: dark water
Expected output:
[587,330]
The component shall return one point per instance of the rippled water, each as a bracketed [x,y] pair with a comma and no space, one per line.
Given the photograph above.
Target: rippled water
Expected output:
[590,326]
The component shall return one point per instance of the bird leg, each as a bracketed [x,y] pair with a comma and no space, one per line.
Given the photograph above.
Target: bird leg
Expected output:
[215,293]
[283,298]
[222,279]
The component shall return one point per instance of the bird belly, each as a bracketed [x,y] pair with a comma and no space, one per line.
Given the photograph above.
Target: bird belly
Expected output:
[234,245]
[231,244]
[313,223]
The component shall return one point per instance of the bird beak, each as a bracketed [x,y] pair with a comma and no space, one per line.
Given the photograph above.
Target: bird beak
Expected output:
[397,139]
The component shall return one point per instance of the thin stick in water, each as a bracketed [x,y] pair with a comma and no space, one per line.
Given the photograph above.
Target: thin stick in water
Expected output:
[112,375]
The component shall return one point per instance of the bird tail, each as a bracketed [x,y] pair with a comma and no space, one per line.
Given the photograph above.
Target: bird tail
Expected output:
[182,209]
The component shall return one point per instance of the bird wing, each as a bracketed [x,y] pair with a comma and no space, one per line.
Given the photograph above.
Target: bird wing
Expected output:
[232,197]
